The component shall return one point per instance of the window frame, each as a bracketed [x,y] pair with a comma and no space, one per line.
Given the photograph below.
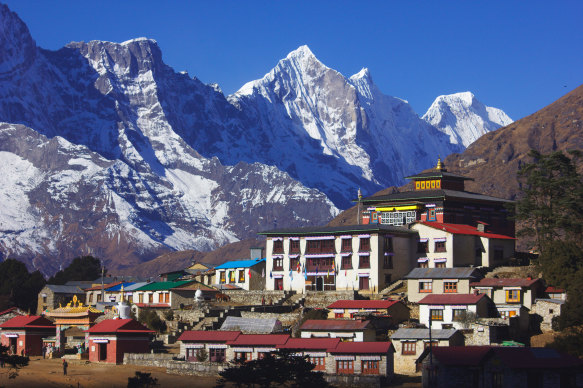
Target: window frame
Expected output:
[436,315]
[364,262]
[294,246]
[345,367]
[369,367]
[409,348]
[242,276]
[510,298]
[440,247]
[347,262]
[346,245]
[364,244]
[449,287]
[278,246]
[426,289]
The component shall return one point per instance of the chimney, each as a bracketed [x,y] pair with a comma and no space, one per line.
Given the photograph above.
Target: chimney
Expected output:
[481,227]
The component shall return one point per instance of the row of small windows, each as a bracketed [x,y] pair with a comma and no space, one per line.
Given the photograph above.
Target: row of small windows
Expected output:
[328,246]
[322,264]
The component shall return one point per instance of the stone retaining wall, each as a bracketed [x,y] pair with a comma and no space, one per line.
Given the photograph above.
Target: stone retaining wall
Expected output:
[322,299]
[250,298]
[354,380]
[286,319]
[174,366]
[148,359]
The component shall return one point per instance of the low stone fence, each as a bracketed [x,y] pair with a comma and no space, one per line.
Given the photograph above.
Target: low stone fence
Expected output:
[355,380]
[322,299]
[148,359]
[174,366]
[196,368]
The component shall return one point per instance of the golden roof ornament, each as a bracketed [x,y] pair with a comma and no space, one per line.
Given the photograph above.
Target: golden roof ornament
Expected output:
[439,166]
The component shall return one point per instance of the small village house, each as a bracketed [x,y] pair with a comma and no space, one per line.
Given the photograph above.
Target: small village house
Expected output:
[364,359]
[547,311]
[241,274]
[169,295]
[436,281]
[110,339]
[443,245]
[24,334]
[316,349]
[212,341]
[452,311]
[51,296]
[510,294]
[410,343]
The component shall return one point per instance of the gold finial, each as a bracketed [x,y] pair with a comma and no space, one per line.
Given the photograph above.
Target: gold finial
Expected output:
[439,166]
[359,193]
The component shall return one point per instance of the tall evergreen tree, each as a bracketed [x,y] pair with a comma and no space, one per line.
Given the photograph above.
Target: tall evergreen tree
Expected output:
[551,209]
[81,268]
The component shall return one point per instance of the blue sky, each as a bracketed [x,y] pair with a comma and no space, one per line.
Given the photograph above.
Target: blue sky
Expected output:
[515,55]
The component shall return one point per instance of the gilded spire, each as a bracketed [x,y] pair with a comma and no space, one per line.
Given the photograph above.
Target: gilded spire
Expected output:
[439,166]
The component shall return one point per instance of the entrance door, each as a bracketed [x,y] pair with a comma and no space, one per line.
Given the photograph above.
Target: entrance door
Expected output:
[102,352]
[363,283]
[319,283]
[12,345]
[279,284]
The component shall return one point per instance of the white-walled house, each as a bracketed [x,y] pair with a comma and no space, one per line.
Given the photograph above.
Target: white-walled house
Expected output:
[449,311]
[352,257]
[457,245]
[347,329]
[244,274]
[436,281]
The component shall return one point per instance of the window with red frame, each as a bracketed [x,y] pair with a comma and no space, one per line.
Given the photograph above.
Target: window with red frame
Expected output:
[294,246]
[243,356]
[440,265]
[278,246]
[422,247]
[449,287]
[217,355]
[364,262]
[439,246]
[319,362]
[347,262]
[370,367]
[409,348]
[338,315]
[242,276]
[423,264]
[278,263]
[434,344]
[364,244]
[436,315]
[425,286]
[294,263]
[320,246]
[346,245]
[345,367]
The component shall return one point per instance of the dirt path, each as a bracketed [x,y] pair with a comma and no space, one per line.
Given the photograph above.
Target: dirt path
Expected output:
[49,373]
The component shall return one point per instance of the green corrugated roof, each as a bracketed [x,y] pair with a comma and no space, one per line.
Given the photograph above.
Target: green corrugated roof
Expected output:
[160,286]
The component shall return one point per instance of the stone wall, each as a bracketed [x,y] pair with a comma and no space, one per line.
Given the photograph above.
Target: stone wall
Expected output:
[286,319]
[174,366]
[253,298]
[354,380]
[544,311]
[323,299]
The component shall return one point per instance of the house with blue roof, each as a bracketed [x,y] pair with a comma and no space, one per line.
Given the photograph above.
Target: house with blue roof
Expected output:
[241,274]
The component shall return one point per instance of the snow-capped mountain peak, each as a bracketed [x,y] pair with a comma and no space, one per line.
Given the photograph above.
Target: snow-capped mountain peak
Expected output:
[464,118]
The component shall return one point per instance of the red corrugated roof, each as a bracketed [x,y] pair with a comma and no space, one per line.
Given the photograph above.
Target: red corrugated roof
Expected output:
[363,304]
[464,229]
[310,343]
[510,282]
[209,335]
[535,358]
[363,347]
[28,321]
[452,299]
[334,324]
[11,309]
[259,339]
[461,355]
[119,326]
[549,290]
[105,286]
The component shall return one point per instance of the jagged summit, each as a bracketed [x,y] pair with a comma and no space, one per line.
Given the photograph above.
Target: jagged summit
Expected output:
[17,48]
[464,118]
[301,52]
[363,73]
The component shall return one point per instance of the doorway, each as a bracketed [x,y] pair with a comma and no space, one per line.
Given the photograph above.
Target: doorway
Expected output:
[279,284]
[12,345]
[363,283]
[102,352]
[319,283]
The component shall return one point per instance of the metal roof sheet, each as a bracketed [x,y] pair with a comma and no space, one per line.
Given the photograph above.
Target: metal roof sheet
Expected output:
[310,343]
[63,289]
[252,325]
[363,348]
[160,286]
[420,334]
[209,335]
[505,282]
[335,324]
[444,273]
[453,299]
[239,264]
[119,326]
[363,304]
[259,339]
